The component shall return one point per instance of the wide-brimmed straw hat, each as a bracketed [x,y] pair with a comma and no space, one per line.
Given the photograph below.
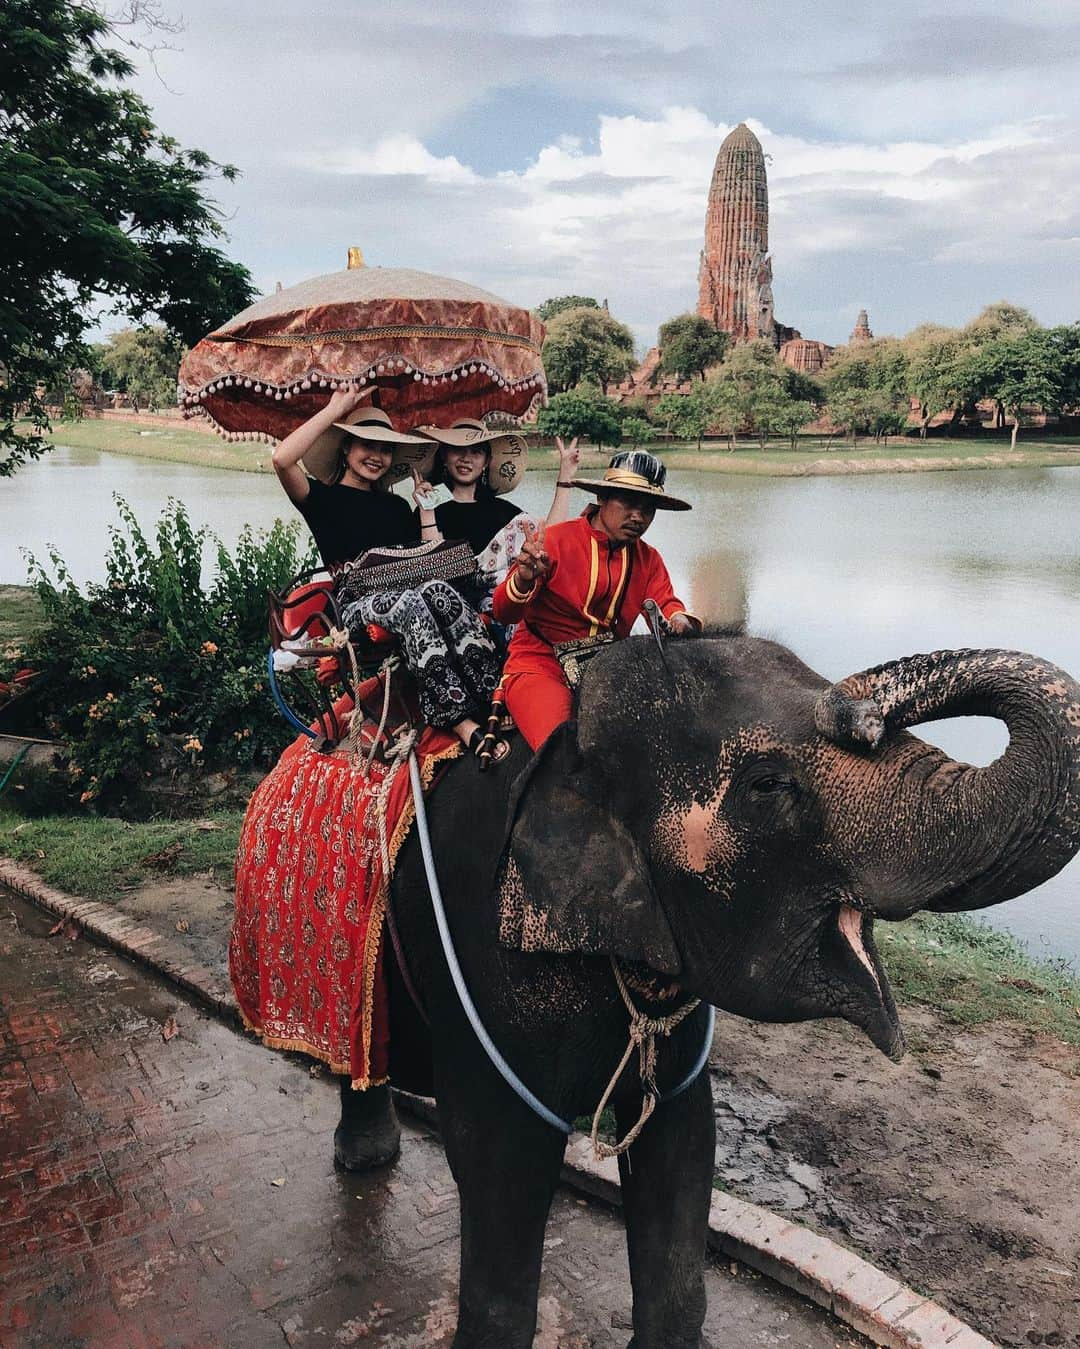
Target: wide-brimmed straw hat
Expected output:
[323,460]
[509,453]
[636,472]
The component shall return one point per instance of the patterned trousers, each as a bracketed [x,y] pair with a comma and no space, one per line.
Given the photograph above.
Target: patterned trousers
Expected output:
[446,647]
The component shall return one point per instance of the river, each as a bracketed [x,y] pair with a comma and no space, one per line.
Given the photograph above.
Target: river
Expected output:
[847,571]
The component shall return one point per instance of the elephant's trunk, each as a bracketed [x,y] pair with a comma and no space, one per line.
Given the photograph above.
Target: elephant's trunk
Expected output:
[940,834]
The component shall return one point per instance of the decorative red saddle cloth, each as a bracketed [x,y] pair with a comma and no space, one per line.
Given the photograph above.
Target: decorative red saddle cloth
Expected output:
[306,952]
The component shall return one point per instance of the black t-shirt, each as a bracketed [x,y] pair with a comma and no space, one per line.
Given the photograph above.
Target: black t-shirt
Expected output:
[346,521]
[476,521]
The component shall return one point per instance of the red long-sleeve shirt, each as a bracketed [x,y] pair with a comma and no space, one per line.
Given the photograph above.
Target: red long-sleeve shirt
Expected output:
[593,585]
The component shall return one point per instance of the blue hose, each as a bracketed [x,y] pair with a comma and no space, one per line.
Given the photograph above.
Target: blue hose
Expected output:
[500,1064]
[283,707]
[13,765]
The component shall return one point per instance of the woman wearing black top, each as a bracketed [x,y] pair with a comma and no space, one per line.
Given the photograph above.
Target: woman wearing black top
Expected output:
[446,647]
[479,465]
[342,507]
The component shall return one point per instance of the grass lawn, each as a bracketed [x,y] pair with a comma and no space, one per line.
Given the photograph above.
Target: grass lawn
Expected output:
[19,611]
[972,974]
[94,856]
[182,445]
[813,459]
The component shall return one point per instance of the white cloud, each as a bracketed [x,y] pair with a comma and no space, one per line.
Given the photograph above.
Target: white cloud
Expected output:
[624,220]
[396,154]
[921,162]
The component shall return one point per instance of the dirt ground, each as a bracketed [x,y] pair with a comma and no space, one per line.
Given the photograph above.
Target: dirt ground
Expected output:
[956,1170]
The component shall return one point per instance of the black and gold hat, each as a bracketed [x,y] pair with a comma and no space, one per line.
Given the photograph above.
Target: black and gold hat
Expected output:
[638,472]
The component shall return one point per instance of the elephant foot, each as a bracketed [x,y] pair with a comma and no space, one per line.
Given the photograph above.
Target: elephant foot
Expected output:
[367,1134]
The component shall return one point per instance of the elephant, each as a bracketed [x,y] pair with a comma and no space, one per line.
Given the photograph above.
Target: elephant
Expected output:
[716,822]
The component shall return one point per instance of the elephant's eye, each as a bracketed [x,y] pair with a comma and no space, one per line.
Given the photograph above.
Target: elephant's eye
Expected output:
[770,785]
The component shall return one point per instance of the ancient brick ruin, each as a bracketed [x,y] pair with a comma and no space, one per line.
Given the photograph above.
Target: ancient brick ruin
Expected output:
[861,332]
[735,273]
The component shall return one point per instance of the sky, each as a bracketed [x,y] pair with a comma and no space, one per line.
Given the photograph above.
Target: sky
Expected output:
[923,158]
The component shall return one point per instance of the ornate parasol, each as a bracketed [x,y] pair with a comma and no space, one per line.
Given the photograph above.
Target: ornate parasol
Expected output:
[435,348]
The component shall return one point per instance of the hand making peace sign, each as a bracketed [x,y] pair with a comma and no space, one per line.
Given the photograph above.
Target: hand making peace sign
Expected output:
[533,564]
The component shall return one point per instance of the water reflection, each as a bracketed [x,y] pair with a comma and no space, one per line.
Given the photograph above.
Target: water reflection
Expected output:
[716,591]
[849,572]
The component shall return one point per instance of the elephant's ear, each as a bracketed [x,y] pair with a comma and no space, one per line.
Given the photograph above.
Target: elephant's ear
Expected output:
[571,877]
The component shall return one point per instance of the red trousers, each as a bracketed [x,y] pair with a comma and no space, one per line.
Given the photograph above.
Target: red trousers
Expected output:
[538,703]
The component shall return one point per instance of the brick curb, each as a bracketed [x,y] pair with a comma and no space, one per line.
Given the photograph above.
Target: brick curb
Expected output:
[886,1311]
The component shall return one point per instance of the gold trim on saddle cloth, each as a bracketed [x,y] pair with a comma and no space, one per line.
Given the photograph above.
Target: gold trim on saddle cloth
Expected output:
[574,656]
[429,764]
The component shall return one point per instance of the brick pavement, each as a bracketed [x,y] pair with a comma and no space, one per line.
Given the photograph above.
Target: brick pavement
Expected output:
[180,1192]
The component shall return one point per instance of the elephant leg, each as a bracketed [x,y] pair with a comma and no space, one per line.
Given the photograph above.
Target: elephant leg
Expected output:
[506,1163]
[367,1134]
[666,1188]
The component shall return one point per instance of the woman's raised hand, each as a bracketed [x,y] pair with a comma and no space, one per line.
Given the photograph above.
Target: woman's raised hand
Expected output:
[347,399]
[420,489]
[532,562]
[569,457]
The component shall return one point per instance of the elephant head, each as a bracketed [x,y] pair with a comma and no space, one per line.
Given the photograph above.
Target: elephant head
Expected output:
[726,817]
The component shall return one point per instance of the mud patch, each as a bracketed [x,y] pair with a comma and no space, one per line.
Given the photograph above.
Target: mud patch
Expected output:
[203,907]
[957,1170]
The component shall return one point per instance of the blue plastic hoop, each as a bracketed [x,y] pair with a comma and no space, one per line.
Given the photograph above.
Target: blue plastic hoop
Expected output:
[280,703]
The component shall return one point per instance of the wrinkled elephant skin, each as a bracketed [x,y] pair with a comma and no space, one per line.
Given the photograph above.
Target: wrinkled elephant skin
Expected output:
[727,826]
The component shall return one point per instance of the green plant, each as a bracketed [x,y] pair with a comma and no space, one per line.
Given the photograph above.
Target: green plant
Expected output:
[689,345]
[638,431]
[152,674]
[581,412]
[587,345]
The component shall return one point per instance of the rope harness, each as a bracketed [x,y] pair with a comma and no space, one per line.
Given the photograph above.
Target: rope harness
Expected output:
[643,1032]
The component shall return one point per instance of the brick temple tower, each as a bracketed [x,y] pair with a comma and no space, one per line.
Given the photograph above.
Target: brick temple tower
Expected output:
[735,275]
[861,332]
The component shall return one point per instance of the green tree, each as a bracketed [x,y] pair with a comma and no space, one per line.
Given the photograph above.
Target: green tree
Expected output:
[638,431]
[547,311]
[851,411]
[748,392]
[996,322]
[1000,320]
[141,362]
[689,345]
[791,415]
[98,210]
[587,346]
[933,357]
[865,389]
[886,418]
[1035,368]
[726,413]
[685,415]
[581,412]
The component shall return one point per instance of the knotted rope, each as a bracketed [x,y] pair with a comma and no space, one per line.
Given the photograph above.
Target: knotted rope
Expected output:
[396,755]
[386,670]
[643,1032]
